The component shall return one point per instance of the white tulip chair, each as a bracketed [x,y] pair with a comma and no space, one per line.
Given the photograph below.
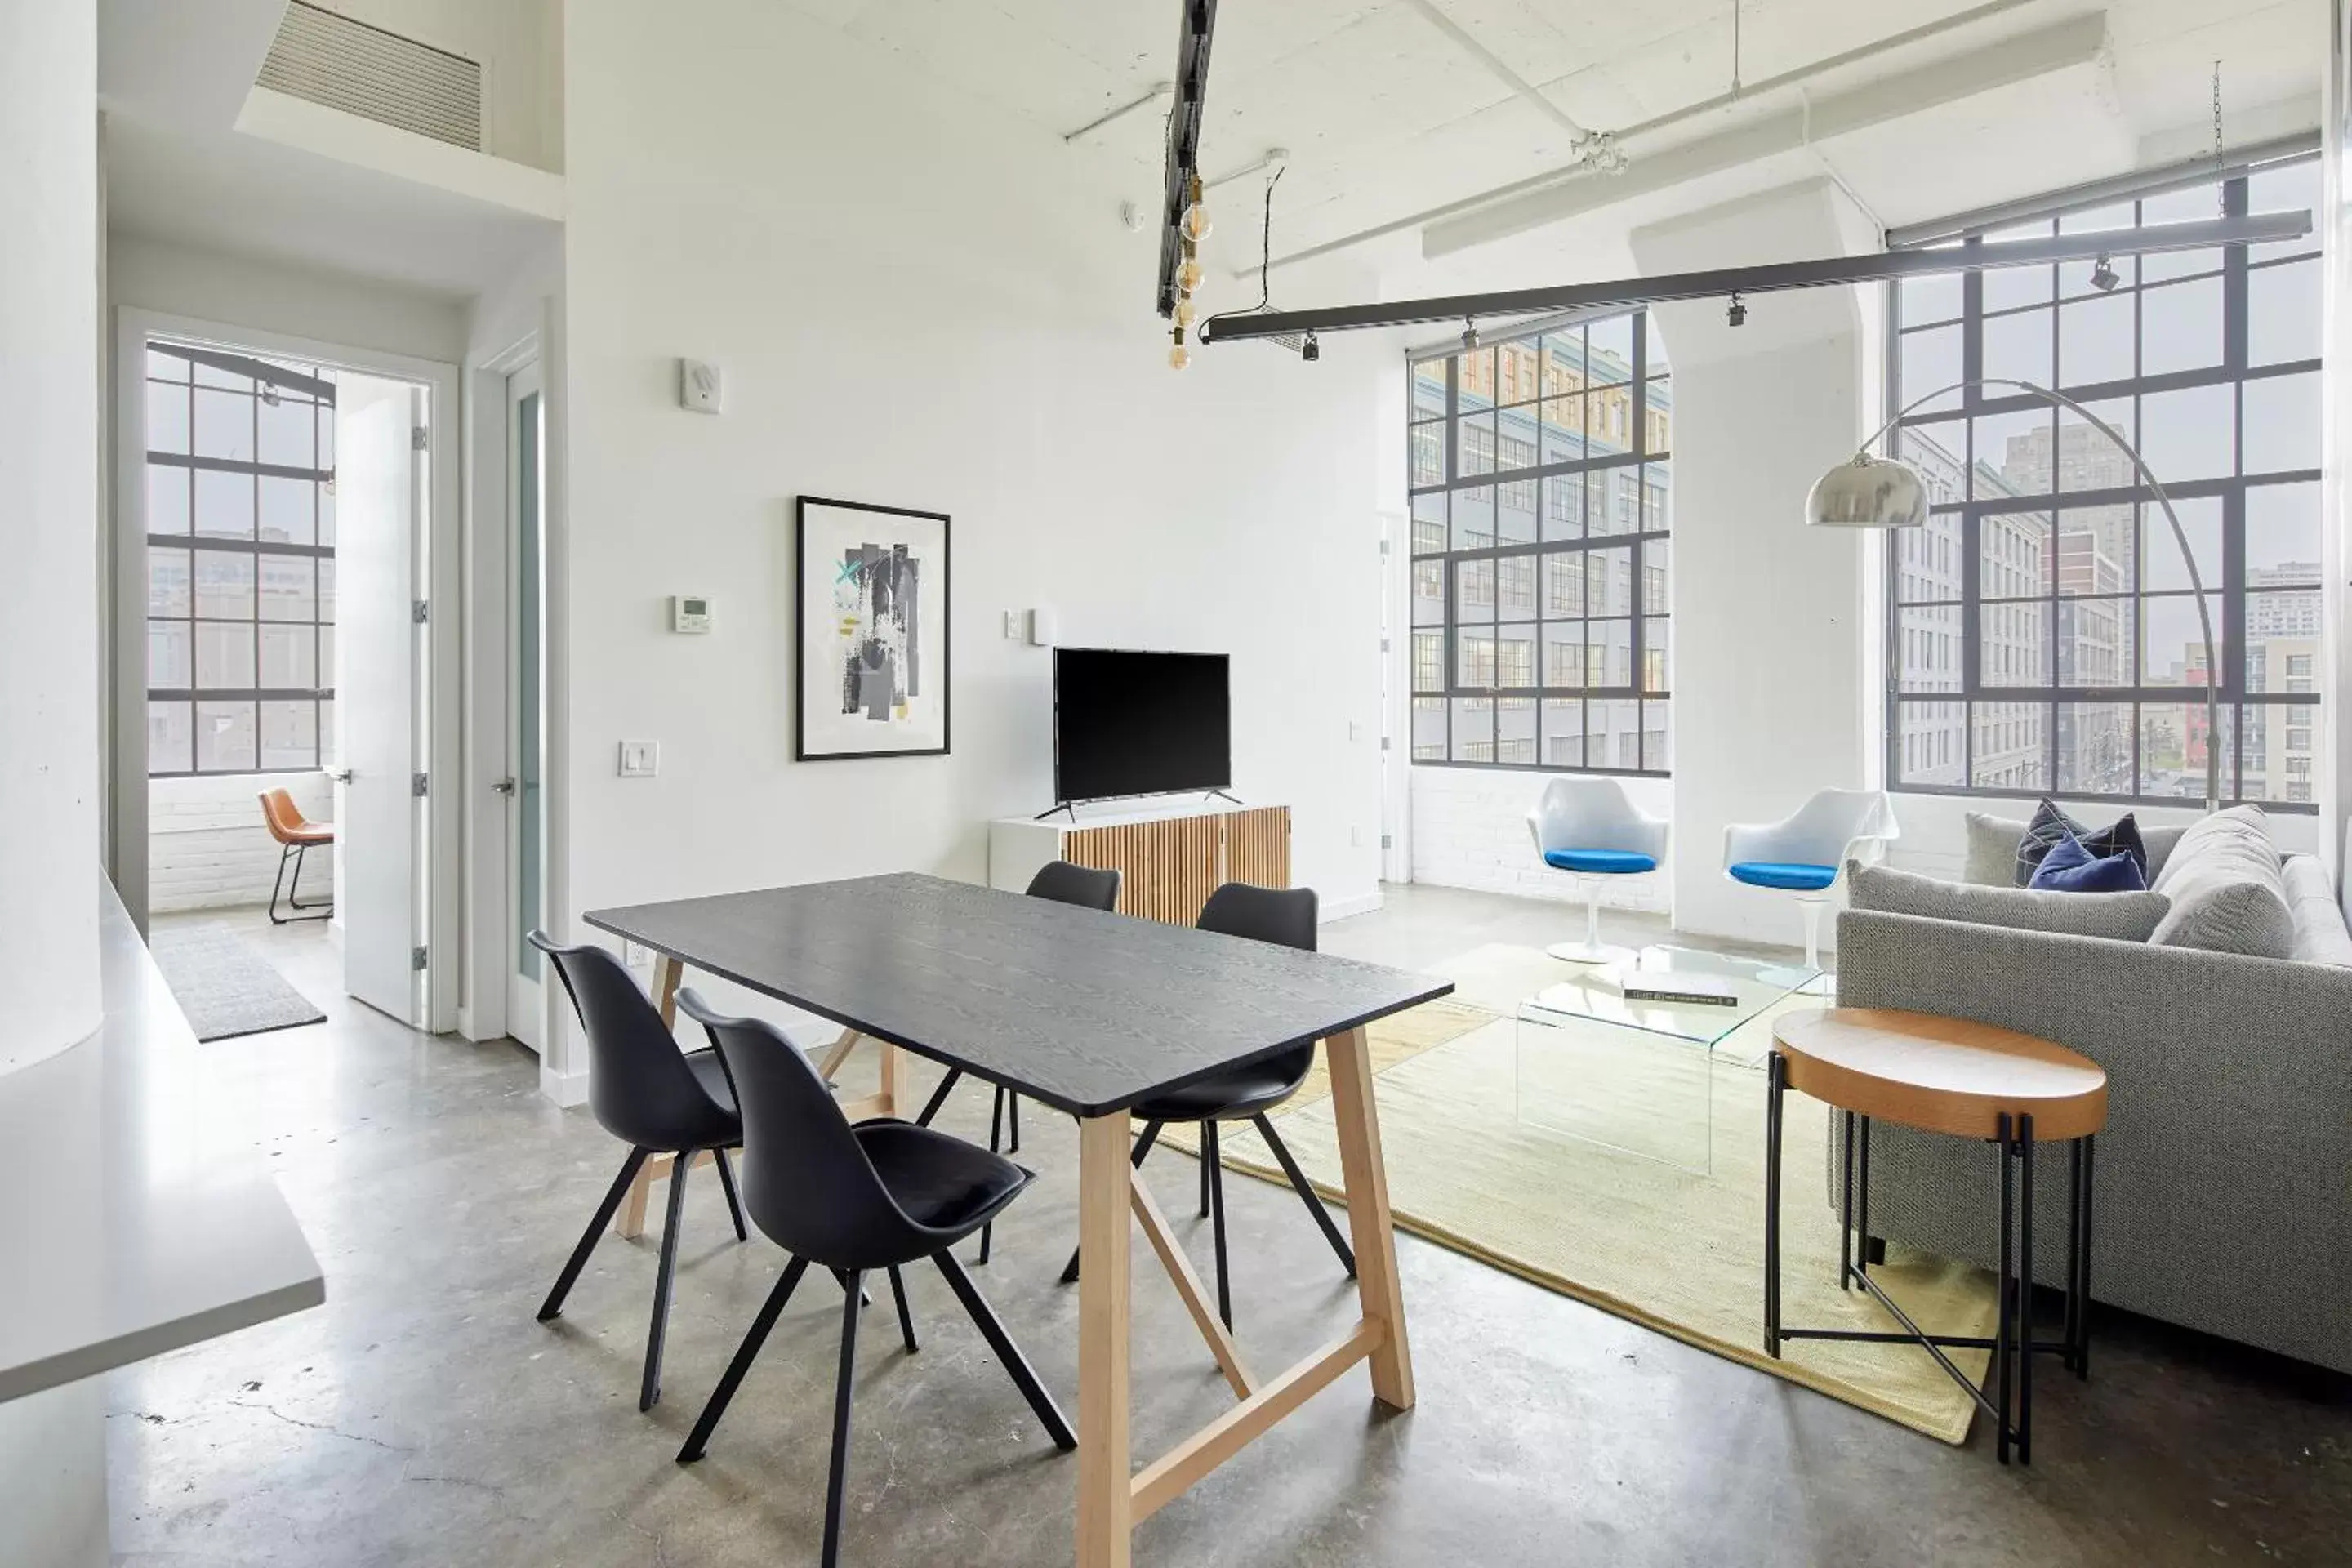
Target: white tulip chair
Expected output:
[1805,852]
[1590,829]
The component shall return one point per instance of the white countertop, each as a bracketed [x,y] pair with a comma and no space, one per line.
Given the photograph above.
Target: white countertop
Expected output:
[130,1226]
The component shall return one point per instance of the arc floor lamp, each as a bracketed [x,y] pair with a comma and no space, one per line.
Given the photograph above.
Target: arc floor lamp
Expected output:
[1886,492]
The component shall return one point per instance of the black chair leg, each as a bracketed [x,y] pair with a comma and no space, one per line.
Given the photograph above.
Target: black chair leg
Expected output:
[553,1306]
[1024,1375]
[735,1200]
[841,1393]
[1216,1168]
[745,1354]
[1013,1120]
[1135,1162]
[1312,1199]
[906,1318]
[1208,1158]
[995,1145]
[672,1224]
[939,1096]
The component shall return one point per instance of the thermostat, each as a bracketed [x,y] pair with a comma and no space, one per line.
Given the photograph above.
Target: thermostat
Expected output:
[690,612]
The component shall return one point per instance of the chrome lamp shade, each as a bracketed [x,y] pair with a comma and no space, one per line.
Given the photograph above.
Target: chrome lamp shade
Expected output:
[1868,492]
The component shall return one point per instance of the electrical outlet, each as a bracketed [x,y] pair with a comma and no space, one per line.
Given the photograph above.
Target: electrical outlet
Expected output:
[637,955]
[640,759]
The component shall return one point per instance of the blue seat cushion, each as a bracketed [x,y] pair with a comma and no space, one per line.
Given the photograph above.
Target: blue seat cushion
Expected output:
[1794,876]
[1601,862]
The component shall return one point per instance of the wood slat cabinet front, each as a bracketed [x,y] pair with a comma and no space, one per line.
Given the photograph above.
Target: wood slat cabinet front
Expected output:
[1168,866]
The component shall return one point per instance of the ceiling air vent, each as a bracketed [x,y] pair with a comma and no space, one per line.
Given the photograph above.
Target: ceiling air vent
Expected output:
[331,61]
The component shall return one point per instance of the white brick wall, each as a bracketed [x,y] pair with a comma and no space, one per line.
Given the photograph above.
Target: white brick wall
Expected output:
[206,846]
[1469,830]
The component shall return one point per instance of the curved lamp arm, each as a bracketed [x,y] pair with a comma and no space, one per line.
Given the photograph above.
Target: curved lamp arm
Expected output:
[2179,537]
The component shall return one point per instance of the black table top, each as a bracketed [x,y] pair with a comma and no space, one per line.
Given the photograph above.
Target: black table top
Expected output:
[1086,1012]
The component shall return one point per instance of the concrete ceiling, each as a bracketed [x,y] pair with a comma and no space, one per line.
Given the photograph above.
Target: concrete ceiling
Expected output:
[1400,114]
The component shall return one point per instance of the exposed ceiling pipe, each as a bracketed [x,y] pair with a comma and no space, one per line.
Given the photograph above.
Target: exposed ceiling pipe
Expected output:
[1719,101]
[1159,92]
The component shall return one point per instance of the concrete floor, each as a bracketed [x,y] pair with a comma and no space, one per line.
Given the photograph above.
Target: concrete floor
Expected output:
[422,1417]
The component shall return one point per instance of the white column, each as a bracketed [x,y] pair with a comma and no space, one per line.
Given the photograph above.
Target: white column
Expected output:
[52,1445]
[49,630]
[1770,678]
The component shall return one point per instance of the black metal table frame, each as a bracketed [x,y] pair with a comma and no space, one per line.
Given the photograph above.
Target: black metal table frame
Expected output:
[2012,1343]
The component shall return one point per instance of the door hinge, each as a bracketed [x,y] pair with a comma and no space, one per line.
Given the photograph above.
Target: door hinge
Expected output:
[417,960]
[418,612]
[1384,644]
[1388,841]
[1384,547]
[417,438]
[1384,742]
[416,783]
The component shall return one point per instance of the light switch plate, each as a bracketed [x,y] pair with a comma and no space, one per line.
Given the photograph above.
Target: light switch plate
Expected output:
[640,759]
[699,389]
[1013,628]
[636,954]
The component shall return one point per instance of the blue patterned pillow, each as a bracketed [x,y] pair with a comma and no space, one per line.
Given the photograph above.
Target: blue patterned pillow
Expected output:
[2071,868]
[2049,825]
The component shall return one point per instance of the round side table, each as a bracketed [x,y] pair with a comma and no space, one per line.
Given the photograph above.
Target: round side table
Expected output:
[1969,1080]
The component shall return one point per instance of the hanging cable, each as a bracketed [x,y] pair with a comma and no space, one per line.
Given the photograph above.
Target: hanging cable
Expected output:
[1265,256]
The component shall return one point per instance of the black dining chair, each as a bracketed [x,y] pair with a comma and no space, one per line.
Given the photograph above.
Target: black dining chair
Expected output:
[880,1194]
[1283,915]
[655,1098]
[1063,883]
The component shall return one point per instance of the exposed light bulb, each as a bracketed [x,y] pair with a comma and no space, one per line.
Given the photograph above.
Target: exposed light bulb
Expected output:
[1187,277]
[1196,222]
[1185,310]
[1178,357]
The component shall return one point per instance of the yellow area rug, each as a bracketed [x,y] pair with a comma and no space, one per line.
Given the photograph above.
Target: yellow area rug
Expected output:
[1477,1162]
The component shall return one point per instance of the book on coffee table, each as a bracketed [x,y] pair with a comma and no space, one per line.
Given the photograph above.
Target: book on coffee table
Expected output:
[1668,985]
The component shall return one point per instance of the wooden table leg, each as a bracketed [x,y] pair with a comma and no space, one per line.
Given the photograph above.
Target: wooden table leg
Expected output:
[1367,1179]
[895,1094]
[838,1053]
[1105,1502]
[630,1223]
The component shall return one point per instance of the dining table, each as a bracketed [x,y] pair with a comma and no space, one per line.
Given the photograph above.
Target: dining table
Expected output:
[1090,1012]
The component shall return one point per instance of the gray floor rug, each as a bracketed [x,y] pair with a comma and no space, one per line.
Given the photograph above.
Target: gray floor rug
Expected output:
[225,987]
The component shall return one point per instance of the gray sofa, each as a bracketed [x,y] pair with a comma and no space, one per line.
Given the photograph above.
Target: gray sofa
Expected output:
[2225,1179]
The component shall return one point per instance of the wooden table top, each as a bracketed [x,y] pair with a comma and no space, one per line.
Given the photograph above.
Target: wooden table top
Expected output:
[1082,1010]
[1941,1075]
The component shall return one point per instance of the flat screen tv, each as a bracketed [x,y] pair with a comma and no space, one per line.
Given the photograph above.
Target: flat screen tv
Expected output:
[1126,722]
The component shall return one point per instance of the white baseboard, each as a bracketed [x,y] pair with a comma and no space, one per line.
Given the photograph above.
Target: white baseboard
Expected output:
[565,1089]
[1341,908]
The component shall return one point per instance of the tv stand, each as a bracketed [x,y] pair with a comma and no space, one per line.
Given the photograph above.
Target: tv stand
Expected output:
[1070,805]
[1170,857]
[1220,795]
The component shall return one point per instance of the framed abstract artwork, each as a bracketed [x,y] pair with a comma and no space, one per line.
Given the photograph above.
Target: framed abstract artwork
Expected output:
[872,655]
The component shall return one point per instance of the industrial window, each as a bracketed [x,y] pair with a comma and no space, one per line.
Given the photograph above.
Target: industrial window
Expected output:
[2043,632]
[240,563]
[1540,471]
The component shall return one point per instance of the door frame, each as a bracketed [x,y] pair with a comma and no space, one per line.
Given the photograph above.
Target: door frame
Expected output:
[442,691]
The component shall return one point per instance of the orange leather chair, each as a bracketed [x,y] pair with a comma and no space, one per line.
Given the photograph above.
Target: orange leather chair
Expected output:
[296,836]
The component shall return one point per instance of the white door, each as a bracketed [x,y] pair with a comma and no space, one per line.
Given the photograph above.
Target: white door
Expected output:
[526,706]
[380,819]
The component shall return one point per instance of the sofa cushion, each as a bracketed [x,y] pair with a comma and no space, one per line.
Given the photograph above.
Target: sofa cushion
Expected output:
[2073,866]
[2227,890]
[2319,933]
[1991,857]
[2119,917]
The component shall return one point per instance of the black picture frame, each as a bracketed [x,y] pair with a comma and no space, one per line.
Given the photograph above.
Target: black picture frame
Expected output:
[808,613]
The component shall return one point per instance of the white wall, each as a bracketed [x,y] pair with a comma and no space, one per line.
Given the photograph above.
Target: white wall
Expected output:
[918,301]
[50,405]
[273,297]
[208,848]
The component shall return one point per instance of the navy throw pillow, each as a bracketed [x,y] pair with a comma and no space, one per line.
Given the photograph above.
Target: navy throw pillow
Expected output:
[2120,838]
[2071,868]
[2049,825]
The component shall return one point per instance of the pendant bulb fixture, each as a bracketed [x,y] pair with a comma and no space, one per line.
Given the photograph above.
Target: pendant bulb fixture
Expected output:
[1179,356]
[1185,311]
[1196,216]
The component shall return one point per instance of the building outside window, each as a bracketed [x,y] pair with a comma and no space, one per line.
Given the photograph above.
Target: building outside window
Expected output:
[2043,638]
[1542,512]
[240,563]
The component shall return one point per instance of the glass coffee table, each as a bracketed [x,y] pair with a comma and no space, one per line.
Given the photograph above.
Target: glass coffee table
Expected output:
[1636,1074]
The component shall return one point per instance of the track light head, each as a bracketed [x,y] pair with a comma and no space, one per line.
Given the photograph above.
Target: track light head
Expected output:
[1469,333]
[1310,350]
[1736,315]
[2103,277]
